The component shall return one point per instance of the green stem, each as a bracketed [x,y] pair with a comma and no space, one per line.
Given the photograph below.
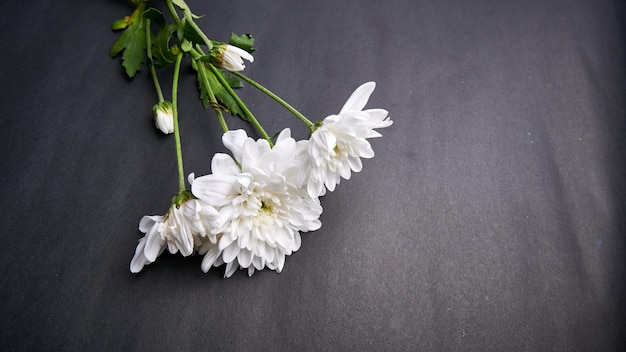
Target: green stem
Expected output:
[286,105]
[243,106]
[212,101]
[189,19]
[172,10]
[179,151]
[193,24]
[155,79]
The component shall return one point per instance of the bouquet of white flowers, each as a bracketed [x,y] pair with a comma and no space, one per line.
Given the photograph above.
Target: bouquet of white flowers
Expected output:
[249,212]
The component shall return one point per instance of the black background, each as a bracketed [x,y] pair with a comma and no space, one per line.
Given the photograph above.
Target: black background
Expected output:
[491,218]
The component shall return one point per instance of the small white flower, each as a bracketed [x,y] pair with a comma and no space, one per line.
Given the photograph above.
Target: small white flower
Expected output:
[338,144]
[164,117]
[230,57]
[182,228]
[261,210]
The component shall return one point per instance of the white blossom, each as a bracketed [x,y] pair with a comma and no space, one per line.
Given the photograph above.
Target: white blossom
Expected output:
[183,228]
[230,57]
[337,145]
[261,209]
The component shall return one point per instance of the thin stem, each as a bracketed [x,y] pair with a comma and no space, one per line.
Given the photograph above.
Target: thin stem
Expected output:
[193,24]
[286,105]
[179,151]
[189,18]
[212,100]
[155,79]
[243,106]
[172,10]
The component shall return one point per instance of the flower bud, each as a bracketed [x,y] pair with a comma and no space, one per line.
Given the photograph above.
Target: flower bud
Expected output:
[164,117]
[229,57]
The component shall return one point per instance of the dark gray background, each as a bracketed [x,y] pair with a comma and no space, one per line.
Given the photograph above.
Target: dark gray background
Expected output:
[491,218]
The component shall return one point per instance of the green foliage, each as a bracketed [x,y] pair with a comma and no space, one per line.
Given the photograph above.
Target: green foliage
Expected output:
[244,41]
[206,76]
[190,32]
[132,42]
[161,50]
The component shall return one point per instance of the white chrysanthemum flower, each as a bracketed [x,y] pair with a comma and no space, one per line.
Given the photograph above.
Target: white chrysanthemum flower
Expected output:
[230,57]
[339,142]
[261,210]
[180,230]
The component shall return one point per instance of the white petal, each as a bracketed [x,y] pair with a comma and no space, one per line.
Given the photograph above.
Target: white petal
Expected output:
[284,134]
[214,189]
[209,258]
[258,263]
[233,140]
[223,164]
[238,51]
[244,258]
[359,98]
[139,260]
[230,269]
[230,253]
[147,222]
[154,245]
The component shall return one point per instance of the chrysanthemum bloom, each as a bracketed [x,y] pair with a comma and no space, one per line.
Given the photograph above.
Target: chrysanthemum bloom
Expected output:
[164,117]
[261,210]
[229,57]
[179,230]
[339,142]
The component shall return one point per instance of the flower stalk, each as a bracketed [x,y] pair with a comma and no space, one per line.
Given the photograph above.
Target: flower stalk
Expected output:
[179,150]
[241,104]
[212,101]
[150,63]
[269,93]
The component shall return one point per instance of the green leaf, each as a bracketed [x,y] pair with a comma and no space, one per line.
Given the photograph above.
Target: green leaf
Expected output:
[244,41]
[232,81]
[181,3]
[132,42]
[156,16]
[122,23]
[186,46]
[190,33]
[183,6]
[161,50]
[226,101]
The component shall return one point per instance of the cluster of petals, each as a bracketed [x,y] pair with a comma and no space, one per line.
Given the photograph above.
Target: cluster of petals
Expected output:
[336,147]
[230,57]
[249,212]
[261,209]
[180,230]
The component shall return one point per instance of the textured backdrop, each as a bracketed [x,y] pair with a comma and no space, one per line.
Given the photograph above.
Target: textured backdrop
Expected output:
[491,218]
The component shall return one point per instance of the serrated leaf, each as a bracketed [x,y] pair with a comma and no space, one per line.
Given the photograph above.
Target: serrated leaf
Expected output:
[221,94]
[132,44]
[244,41]
[122,23]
